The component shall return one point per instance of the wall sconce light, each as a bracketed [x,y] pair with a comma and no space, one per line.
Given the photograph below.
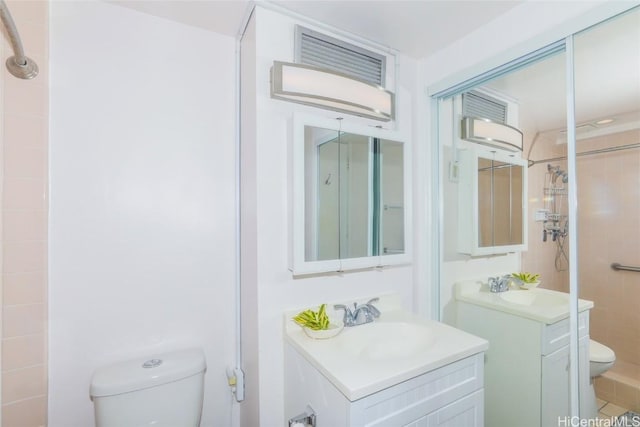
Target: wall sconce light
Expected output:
[486,132]
[323,88]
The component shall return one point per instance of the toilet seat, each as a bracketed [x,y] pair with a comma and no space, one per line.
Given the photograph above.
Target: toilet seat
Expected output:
[600,353]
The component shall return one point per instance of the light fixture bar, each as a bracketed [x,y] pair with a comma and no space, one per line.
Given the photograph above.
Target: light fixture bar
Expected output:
[487,132]
[323,88]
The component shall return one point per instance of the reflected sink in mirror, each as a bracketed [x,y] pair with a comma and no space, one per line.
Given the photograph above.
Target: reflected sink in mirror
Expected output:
[542,305]
[534,298]
[379,341]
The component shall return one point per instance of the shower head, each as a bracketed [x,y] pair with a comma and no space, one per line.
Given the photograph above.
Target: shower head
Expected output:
[556,172]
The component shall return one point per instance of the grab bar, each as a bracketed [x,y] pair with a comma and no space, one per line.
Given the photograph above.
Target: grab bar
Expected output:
[617,266]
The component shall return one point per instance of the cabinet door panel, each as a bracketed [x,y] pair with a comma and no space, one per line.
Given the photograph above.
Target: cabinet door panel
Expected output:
[468,411]
[555,386]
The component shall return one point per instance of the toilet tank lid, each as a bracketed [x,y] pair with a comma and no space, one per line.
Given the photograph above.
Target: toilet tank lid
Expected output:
[145,372]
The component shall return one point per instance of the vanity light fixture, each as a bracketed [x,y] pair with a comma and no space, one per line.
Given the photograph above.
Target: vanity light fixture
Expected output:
[487,132]
[323,88]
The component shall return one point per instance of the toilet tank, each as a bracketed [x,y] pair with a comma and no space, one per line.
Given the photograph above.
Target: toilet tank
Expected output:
[161,390]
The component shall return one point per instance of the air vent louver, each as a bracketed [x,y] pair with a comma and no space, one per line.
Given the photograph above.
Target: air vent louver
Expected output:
[320,50]
[476,104]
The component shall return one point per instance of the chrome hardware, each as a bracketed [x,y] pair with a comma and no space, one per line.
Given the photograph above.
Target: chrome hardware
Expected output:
[360,314]
[617,266]
[306,419]
[499,284]
[153,363]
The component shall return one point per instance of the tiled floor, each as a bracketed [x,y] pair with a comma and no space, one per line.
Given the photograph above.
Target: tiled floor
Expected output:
[609,410]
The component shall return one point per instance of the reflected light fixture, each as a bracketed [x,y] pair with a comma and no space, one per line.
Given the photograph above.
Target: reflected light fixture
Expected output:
[324,88]
[494,134]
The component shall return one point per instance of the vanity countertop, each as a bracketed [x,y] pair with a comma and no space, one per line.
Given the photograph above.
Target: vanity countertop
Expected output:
[398,346]
[542,305]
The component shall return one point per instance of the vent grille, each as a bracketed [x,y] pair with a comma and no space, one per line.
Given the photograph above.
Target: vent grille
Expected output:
[476,104]
[320,50]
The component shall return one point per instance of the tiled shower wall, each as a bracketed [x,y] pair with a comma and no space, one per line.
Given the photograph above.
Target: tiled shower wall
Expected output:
[609,197]
[23,142]
[608,225]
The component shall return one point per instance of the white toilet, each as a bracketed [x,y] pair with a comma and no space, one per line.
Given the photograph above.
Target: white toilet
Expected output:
[601,359]
[162,390]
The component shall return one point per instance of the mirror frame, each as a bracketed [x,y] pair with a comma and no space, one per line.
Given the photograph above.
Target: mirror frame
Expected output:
[468,202]
[297,234]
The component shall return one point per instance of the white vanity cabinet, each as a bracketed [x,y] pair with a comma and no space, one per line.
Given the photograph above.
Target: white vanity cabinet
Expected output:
[448,396]
[400,370]
[527,364]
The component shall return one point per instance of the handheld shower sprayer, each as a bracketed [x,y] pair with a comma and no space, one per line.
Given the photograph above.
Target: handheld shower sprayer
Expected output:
[556,173]
[555,223]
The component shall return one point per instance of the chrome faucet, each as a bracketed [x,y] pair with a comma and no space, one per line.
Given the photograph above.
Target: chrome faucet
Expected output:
[499,284]
[360,314]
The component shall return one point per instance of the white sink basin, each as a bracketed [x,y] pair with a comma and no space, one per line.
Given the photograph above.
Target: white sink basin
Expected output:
[396,347]
[379,341]
[534,298]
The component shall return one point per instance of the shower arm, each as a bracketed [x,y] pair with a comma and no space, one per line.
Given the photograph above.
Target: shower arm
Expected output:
[19,64]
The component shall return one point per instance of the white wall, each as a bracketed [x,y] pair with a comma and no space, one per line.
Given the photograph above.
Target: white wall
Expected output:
[277,291]
[142,199]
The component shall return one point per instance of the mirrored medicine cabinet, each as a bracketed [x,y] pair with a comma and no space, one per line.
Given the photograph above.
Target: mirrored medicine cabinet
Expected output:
[492,199]
[350,196]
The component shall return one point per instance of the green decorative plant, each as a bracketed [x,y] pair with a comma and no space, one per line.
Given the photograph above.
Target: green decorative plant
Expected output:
[316,320]
[526,277]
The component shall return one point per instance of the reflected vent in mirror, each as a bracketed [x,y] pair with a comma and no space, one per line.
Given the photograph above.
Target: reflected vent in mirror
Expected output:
[476,104]
[320,50]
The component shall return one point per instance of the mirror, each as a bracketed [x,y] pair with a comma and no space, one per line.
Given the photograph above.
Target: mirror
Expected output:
[349,197]
[492,200]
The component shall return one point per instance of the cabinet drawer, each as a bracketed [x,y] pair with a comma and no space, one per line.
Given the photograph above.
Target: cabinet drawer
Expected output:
[407,402]
[556,335]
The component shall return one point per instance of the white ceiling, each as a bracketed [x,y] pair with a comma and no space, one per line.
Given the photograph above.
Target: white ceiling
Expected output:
[416,28]
[607,78]
[607,57]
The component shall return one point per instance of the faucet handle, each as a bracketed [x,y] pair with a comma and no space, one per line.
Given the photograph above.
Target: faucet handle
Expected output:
[348,315]
[340,307]
[373,309]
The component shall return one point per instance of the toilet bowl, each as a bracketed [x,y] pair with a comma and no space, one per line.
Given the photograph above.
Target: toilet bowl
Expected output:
[601,359]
